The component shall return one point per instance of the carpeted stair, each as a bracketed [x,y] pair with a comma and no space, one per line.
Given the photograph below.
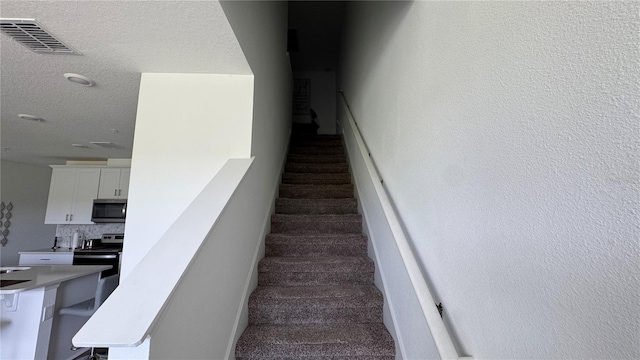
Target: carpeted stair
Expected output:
[315,297]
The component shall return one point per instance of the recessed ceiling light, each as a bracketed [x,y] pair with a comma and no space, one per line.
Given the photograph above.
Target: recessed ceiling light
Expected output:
[79,79]
[30,117]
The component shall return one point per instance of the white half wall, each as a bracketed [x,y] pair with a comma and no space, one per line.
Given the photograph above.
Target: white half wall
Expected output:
[27,188]
[187,126]
[507,135]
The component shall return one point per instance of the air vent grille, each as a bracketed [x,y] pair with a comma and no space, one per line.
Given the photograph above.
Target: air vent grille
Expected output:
[106,144]
[32,35]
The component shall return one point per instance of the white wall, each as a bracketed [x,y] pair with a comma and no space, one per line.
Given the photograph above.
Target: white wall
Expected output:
[507,136]
[200,321]
[323,99]
[27,188]
[187,126]
[261,30]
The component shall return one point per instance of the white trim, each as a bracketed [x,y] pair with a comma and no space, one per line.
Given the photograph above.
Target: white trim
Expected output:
[439,332]
[387,295]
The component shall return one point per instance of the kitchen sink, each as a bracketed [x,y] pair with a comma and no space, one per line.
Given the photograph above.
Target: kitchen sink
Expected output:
[9,269]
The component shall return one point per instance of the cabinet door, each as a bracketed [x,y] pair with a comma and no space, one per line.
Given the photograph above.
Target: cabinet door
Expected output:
[60,196]
[123,192]
[109,183]
[86,191]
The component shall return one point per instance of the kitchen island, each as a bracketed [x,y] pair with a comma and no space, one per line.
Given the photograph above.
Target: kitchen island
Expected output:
[30,298]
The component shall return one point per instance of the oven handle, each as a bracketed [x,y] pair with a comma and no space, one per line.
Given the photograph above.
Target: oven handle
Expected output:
[94,256]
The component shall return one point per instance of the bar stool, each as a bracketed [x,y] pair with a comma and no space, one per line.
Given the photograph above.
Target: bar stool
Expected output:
[87,308]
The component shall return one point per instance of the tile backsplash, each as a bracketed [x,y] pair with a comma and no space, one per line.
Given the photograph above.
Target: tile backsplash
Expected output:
[65,232]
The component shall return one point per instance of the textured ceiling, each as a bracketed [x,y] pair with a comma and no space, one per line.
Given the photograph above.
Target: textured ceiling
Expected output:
[118,41]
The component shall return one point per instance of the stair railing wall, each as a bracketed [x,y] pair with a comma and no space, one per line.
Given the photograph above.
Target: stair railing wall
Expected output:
[184,298]
[415,316]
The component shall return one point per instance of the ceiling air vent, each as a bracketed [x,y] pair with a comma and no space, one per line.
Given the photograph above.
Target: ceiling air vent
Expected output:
[32,35]
[106,144]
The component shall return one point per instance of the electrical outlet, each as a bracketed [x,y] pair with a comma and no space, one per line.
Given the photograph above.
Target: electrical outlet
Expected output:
[47,313]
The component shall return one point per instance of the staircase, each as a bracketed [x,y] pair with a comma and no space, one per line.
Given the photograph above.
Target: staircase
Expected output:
[315,297]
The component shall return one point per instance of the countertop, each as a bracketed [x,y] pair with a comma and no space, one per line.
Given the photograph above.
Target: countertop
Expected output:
[39,276]
[47,250]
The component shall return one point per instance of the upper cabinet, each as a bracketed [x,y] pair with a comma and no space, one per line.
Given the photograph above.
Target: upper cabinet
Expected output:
[71,195]
[73,189]
[114,183]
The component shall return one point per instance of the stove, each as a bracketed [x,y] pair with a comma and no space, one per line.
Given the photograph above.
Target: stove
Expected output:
[105,251]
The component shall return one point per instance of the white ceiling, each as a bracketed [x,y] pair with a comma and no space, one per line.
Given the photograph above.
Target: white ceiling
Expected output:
[118,41]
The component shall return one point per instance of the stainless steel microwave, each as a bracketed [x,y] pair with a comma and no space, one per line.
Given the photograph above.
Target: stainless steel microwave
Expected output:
[109,210]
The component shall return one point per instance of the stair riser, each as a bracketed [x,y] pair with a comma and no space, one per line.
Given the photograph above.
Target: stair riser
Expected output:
[316,179]
[364,357]
[316,250]
[316,209]
[305,150]
[318,143]
[309,314]
[316,192]
[316,168]
[317,137]
[317,158]
[314,278]
[306,227]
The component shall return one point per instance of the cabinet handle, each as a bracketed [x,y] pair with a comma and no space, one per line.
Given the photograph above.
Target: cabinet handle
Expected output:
[71,217]
[119,192]
[66,218]
[115,192]
[45,259]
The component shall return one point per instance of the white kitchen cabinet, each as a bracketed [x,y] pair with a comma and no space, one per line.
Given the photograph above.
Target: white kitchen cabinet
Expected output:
[45,258]
[114,183]
[71,195]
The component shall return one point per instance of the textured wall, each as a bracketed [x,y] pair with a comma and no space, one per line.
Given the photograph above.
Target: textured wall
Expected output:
[507,136]
[187,127]
[261,30]
[27,188]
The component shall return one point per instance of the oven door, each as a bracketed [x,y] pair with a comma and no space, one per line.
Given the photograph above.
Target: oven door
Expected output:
[99,258]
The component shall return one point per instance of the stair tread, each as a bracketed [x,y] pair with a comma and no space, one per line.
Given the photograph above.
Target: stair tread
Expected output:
[330,296]
[317,167]
[323,304]
[315,264]
[316,191]
[317,136]
[317,201]
[317,158]
[310,340]
[278,238]
[317,175]
[311,150]
[316,178]
[317,217]
[317,186]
